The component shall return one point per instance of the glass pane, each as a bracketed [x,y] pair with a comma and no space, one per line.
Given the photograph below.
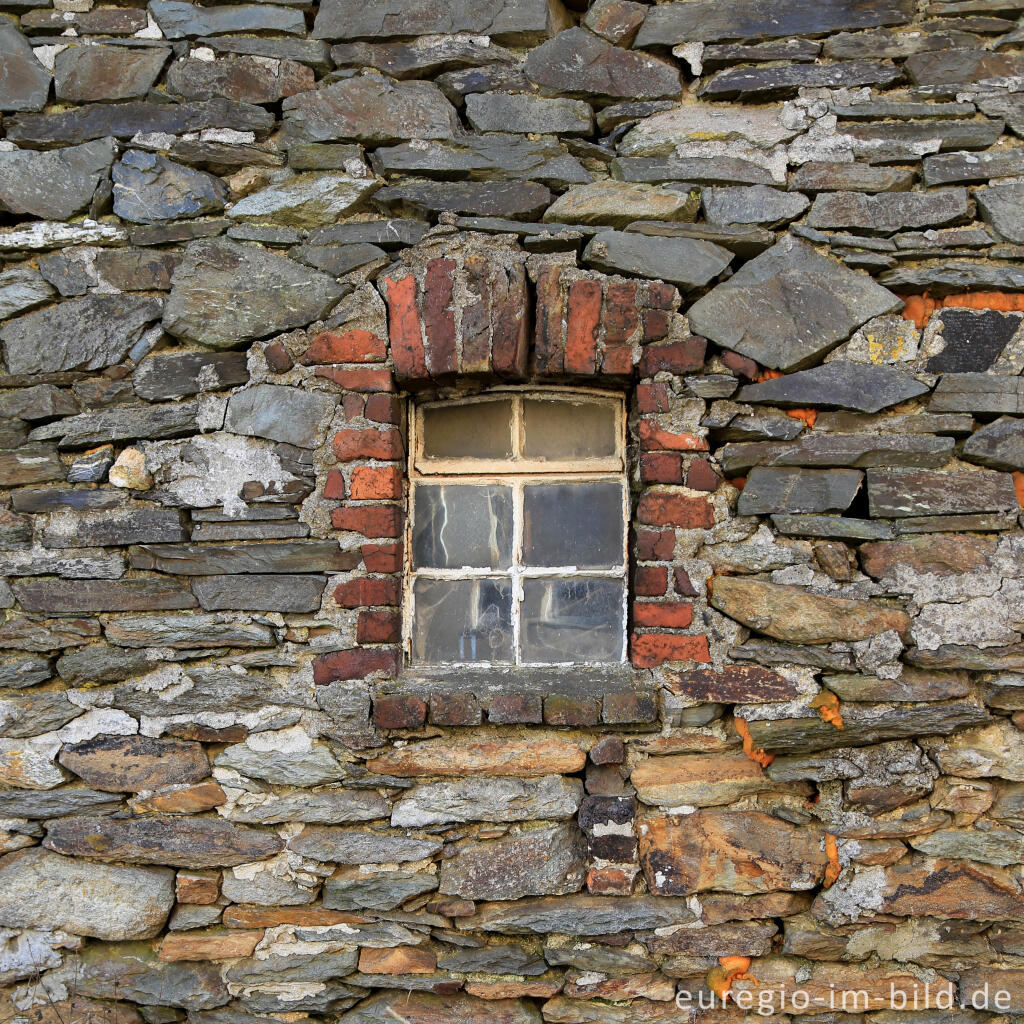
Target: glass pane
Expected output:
[573,524]
[568,430]
[462,620]
[479,430]
[456,525]
[572,620]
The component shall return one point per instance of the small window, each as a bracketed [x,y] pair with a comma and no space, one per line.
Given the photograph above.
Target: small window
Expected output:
[517,535]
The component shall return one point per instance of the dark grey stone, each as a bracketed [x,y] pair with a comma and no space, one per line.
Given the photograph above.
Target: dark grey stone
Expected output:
[246,79]
[26,83]
[56,803]
[837,527]
[35,712]
[293,969]
[900,493]
[839,384]
[723,170]
[972,339]
[891,211]
[232,559]
[745,240]
[190,632]
[719,55]
[88,333]
[260,593]
[580,915]
[218,155]
[123,120]
[349,846]
[369,108]
[150,188]
[898,110]
[225,293]
[758,425]
[526,114]
[798,490]
[947,168]
[114,528]
[956,425]
[323,156]
[338,260]
[66,597]
[998,445]
[457,85]
[122,423]
[778,82]
[24,670]
[974,237]
[904,141]
[57,499]
[77,563]
[1010,107]
[324,808]
[789,306]
[174,376]
[421,58]
[384,891]
[69,272]
[82,74]
[961,66]
[940,277]
[417,197]
[22,288]
[856,177]
[180,20]
[280,413]
[32,464]
[687,262]
[578,63]
[54,185]
[888,43]
[43,402]
[388,234]
[279,530]
[758,204]
[304,51]
[1003,207]
[102,664]
[859,451]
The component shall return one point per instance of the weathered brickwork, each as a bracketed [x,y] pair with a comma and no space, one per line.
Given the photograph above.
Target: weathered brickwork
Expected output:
[238,243]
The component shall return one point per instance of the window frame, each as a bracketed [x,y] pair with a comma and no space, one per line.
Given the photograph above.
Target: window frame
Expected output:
[517,473]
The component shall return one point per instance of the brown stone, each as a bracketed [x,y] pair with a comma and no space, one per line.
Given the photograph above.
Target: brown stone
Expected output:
[617,990]
[426,1008]
[399,960]
[128,764]
[203,946]
[942,554]
[734,684]
[513,989]
[273,917]
[740,939]
[197,887]
[698,780]
[203,796]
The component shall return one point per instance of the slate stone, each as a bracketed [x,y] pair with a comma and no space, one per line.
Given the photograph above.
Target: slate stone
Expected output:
[54,185]
[304,51]
[527,114]
[323,808]
[123,423]
[713,20]
[889,43]
[128,764]
[889,212]
[24,670]
[839,384]
[102,664]
[1010,107]
[294,968]
[70,271]
[35,712]
[898,493]
[56,803]
[687,262]
[855,450]
[942,277]
[906,141]
[500,959]
[43,402]
[280,413]
[314,766]
[698,170]
[998,445]
[457,85]
[57,499]
[306,201]
[745,241]
[244,79]
[962,66]
[22,288]
[177,841]
[349,846]
[45,890]
[778,82]
[34,634]
[388,234]
[76,563]
[580,64]
[64,597]
[758,204]
[32,464]
[425,1008]
[26,83]
[369,108]
[88,333]
[482,198]
[82,74]
[617,204]
[149,188]
[175,376]
[338,260]
[114,527]
[769,490]
[580,915]
[225,293]
[260,593]
[287,557]
[719,55]
[1001,206]
[511,22]
[124,120]
[425,57]
[972,339]
[948,168]
[789,306]
[180,20]
[178,231]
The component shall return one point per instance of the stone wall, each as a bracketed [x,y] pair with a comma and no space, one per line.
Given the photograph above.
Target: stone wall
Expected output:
[237,238]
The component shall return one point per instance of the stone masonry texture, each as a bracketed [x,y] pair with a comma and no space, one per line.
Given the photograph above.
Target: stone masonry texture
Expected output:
[238,240]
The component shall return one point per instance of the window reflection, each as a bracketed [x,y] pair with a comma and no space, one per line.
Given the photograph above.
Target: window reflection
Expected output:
[463,620]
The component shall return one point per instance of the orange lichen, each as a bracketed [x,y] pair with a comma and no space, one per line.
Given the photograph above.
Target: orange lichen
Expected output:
[769,375]
[1018,486]
[755,753]
[732,968]
[918,308]
[827,704]
[739,482]
[809,416]
[833,868]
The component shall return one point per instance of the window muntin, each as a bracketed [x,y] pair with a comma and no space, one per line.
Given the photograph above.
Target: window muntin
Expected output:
[516,550]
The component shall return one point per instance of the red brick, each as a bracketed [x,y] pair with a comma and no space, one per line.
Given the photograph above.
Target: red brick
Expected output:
[373,521]
[653,649]
[399,712]
[475,327]
[583,319]
[375,483]
[610,881]
[666,508]
[620,313]
[455,709]
[515,709]
[358,378]
[382,557]
[404,327]
[655,439]
[662,296]
[368,444]
[656,325]
[655,545]
[354,663]
[617,360]
[740,365]
[277,358]
[357,346]
[670,615]
[549,349]
[438,319]
[382,409]
[681,583]
[686,356]
[510,321]
[701,476]
[334,486]
[352,405]
[629,708]
[653,397]
[661,468]
[608,749]
[650,580]
[379,628]
[367,592]
[574,711]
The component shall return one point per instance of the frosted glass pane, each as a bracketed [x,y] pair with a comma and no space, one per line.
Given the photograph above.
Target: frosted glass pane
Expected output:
[568,430]
[459,524]
[573,524]
[572,620]
[463,620]
[480,430]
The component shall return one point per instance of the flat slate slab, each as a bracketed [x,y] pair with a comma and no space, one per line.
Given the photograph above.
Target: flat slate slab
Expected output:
[54,185]
[998,445]
[781,489]
[899,493]
[687,262]
[25,84]
[972,340]
[789,306]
